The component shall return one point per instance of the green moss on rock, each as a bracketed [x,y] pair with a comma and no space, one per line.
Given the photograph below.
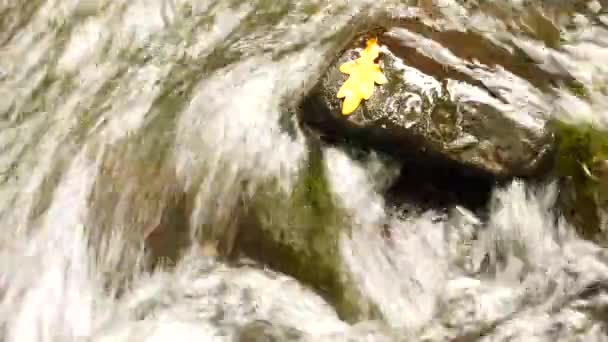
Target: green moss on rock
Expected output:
[298,234]
[582,152]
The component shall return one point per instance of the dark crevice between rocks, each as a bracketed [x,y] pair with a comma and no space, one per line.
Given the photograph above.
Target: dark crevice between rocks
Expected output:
[438,186]
[426,181]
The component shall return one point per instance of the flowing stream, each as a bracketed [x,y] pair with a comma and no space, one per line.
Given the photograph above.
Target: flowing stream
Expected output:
[114,115]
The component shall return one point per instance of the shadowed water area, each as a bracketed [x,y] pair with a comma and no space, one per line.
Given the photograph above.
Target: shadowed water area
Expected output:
[158,182]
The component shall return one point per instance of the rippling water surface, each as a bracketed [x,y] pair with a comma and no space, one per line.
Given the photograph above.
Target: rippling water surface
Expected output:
[117,117]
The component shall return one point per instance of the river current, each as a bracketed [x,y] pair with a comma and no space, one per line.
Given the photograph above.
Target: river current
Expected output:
[111,109]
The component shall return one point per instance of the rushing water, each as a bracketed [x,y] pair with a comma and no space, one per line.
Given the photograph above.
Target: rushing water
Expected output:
[111,111]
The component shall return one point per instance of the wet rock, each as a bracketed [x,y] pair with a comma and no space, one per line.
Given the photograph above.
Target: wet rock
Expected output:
[139,191]
[582,164]
[298,233]
[443,114]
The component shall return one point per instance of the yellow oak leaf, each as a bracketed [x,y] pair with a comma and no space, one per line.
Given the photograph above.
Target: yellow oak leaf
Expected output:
[363,73]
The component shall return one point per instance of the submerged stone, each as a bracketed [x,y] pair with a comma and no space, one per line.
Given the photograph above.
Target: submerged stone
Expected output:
[298,233]
[444,116]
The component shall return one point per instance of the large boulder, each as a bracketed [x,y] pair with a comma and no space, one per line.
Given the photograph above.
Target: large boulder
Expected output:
[444,115]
